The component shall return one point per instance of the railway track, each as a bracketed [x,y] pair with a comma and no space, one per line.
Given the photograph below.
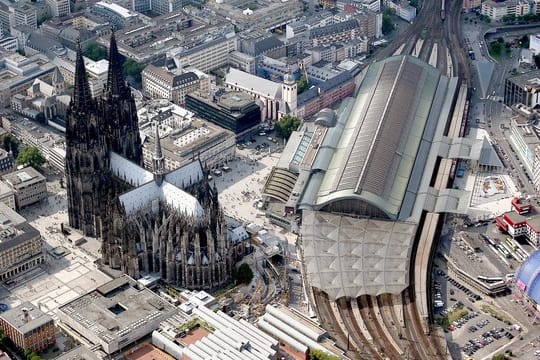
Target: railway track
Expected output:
[364,348]
[375,328]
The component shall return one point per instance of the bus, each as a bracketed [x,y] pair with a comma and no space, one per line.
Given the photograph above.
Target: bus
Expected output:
[511,243]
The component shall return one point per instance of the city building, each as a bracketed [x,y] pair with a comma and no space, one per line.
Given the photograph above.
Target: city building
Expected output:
[266,92]
[115,314]
[206,56]
[28,327]
[151,39]
[21,247]
[527,286]
[7,196]
[28,184]
[523,89]
[264,15]
[534,43]
[326,94]
[112,196]
[159,83]
[523,220]
[7,162]
[497,10]
[403,9]
[23,14]
[118,15]
[18,72]
[232,110]
[183,137]
[59,8]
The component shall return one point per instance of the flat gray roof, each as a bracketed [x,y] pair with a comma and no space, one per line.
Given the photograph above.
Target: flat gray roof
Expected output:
[116,308]
[26,317]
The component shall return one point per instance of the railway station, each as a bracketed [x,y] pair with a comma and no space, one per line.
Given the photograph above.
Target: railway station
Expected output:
[370,180]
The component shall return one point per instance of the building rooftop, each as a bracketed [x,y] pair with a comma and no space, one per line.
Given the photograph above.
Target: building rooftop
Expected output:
[23,177]
[116,308]
[376,152]
[26,317]
[253,83]
[377,254]
[530,79]
[120,10]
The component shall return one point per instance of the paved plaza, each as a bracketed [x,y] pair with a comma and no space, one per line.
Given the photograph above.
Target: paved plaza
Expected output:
[61,279]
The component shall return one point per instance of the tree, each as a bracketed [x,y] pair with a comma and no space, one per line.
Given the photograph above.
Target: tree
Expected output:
[132,69]
[414,3]
[387,24]
[9,143]
[243,274]
[500,39]
[286,125]
[301,85]
[495,48]
[31,156]
[96,52]
[31,355]
[499,356]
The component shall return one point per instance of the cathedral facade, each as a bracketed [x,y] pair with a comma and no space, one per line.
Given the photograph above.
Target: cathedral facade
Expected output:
[150,222]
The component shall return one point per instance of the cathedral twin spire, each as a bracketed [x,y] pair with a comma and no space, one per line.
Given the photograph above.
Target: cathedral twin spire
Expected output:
[82,98]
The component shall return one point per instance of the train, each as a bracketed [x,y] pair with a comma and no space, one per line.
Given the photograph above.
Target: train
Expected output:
[443,14]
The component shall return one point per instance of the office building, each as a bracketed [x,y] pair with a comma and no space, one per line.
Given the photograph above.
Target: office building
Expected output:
[115,314]
[28,327]
[233,110]
[7,162]
[21,246]
[28,184]
[59,8]
[159,83]
[523,89]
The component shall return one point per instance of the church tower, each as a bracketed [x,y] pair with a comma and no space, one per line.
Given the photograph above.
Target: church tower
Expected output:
[86,155]
[290,94]
[119,111]
[57,81]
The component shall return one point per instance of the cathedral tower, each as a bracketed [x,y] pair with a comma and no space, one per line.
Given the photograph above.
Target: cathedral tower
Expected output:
[158,160]
[86,155]
[119,111]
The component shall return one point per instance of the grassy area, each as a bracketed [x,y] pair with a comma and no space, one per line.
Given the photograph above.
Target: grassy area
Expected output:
[497,315]
[191,324]
[455,315]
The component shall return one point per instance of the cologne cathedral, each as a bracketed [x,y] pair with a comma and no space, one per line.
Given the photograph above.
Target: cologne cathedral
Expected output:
[156,222]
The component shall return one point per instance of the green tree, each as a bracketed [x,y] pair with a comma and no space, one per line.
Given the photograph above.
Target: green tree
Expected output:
[387,24]
[495,48]
[243,274]
[96,52]
[499,356]
[500,39]
[10,143]
[286,125]
[3,337]
[315,354]
[31,156]
[301,85]
[132,69]
[414,3]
